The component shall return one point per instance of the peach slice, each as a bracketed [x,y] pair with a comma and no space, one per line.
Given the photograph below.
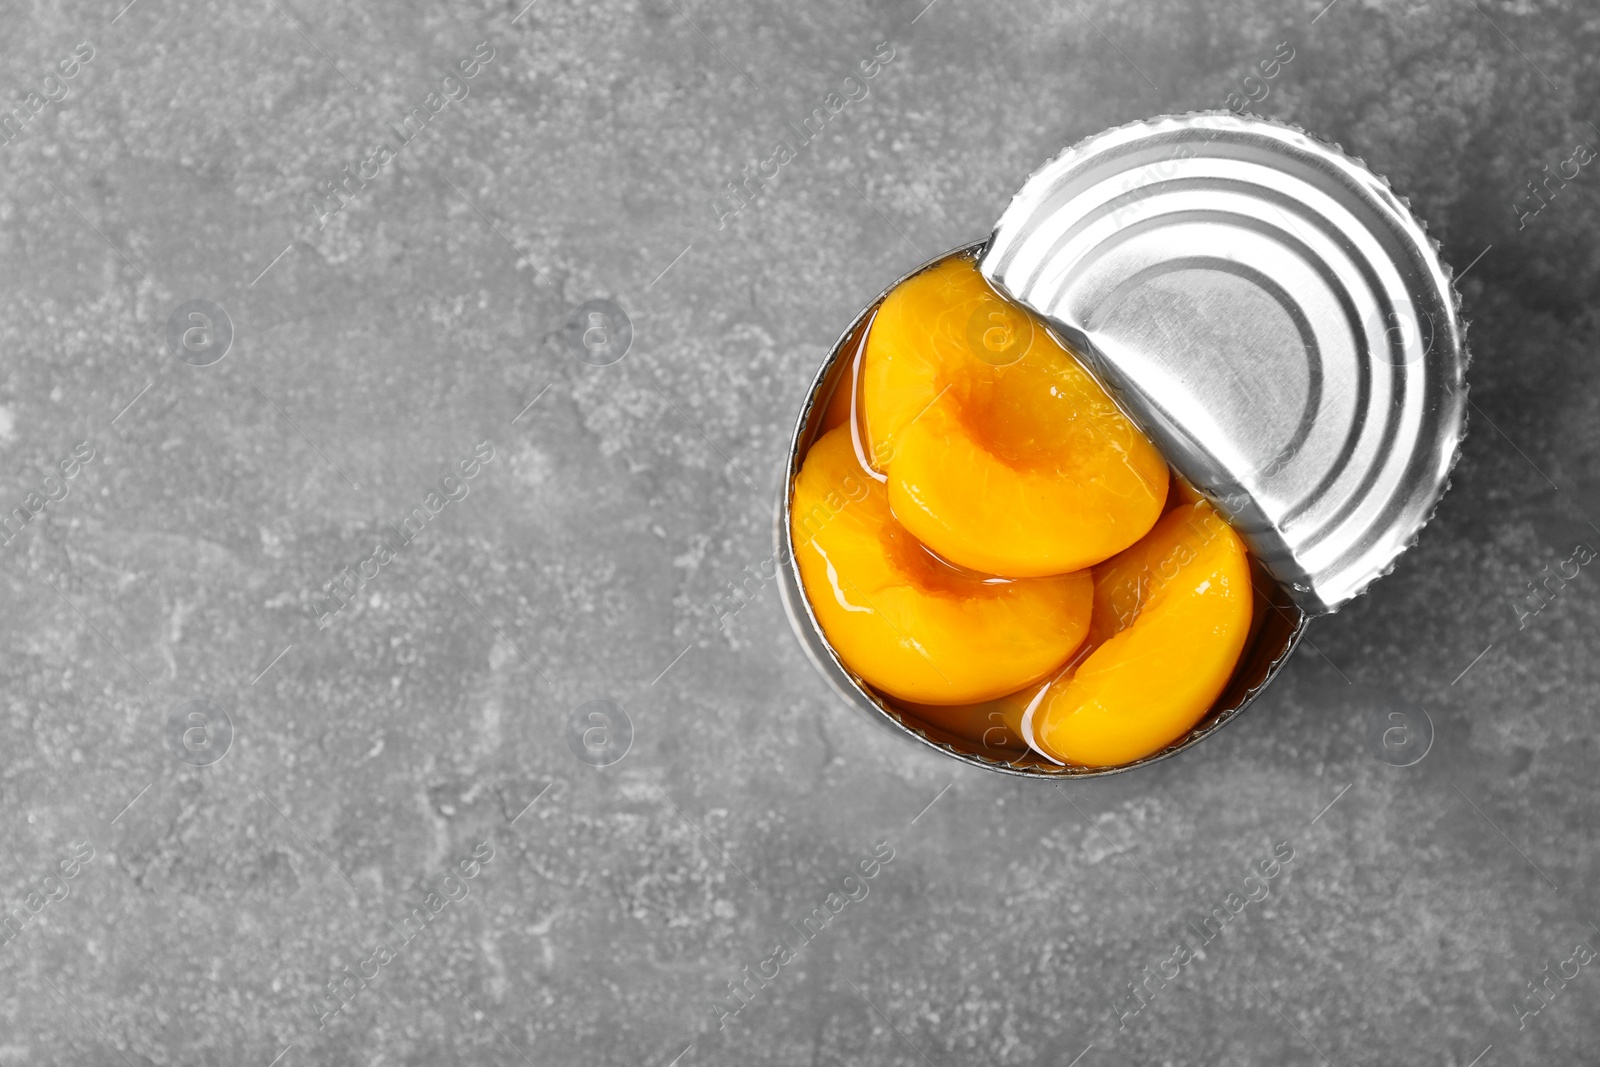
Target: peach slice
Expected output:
[907,623]
[1002,453]
[1171,616]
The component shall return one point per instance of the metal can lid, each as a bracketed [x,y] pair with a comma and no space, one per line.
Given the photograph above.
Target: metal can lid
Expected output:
[1270,312]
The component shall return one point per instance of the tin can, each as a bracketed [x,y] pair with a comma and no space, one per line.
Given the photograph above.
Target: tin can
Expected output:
[1272,316]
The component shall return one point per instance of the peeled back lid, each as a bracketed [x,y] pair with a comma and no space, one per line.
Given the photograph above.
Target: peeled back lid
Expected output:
[1272,316]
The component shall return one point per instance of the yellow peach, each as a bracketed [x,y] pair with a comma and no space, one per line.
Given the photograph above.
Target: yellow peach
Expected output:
[1171,617]
[906,622]
[1002,453]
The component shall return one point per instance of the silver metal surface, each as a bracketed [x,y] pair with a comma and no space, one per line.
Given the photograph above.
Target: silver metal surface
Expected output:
[1278,627]
[1271,314]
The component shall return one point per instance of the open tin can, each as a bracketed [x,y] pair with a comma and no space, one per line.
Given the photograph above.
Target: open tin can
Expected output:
[1272,317]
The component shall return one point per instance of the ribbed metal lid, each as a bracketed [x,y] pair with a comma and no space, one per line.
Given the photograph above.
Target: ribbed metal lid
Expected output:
[1271,314]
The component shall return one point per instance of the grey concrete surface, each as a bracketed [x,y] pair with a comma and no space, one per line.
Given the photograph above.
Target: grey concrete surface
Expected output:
[215,904]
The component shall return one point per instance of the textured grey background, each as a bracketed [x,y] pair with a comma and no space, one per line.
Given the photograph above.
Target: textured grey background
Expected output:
[596,550]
